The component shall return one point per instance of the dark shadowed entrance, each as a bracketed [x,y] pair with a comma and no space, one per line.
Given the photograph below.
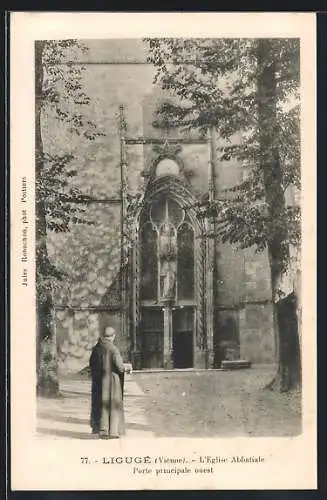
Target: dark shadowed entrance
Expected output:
[183,338]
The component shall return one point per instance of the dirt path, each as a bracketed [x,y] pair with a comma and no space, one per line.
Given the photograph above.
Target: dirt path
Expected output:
[68,417]
[181,404]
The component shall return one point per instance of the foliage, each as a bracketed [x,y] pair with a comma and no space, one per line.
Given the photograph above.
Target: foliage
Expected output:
[246,92]
[216,83]
[63,204]
[59,96]
[62,88]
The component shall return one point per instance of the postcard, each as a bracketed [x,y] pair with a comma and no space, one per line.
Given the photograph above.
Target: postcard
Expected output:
[163,171]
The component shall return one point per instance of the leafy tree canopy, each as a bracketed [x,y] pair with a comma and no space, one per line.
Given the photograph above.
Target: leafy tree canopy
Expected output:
[60,96]
[216,82]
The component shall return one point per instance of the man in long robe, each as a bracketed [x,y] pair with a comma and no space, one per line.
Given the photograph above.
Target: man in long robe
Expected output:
[107,372]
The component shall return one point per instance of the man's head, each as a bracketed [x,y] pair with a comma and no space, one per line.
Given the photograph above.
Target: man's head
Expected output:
[109,333]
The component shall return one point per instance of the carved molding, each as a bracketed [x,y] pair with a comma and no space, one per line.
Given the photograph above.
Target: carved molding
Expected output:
[167,149]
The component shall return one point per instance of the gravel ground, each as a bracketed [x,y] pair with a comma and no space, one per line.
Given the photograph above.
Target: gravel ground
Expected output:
[219,403]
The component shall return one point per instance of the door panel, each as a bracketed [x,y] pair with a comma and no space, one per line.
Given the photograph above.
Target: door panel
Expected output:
[152,338]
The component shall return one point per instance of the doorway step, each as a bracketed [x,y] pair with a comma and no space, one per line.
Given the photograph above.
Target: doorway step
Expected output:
[177,370]
[237,364]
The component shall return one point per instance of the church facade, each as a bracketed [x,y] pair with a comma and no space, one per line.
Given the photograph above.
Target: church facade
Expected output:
[149,263]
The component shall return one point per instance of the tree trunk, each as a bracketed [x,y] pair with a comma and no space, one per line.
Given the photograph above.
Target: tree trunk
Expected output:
[47,372]
[288,346]
[285,310]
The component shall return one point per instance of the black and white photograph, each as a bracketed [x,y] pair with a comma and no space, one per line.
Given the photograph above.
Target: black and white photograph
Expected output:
[167,244]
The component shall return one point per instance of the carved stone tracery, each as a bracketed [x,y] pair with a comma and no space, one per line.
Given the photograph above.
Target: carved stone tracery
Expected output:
[174,189]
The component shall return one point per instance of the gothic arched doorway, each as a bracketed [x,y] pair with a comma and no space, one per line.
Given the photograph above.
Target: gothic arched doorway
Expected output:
[169,277]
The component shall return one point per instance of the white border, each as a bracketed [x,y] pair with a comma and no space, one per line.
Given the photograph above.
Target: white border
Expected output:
[51,465]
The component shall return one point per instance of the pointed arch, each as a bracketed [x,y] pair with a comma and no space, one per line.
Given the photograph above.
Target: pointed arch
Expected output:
[168,202]
[148,262]
[177,190]
[185,262]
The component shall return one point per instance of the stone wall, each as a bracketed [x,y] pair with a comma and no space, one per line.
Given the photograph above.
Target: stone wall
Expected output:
[90,253]
[77,332]
[116,73]
[257,342]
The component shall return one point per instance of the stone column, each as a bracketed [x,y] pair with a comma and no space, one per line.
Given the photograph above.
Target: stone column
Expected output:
[124,253]
[211,248]
[200,340]
[167,338]
[209,302]
[135,330]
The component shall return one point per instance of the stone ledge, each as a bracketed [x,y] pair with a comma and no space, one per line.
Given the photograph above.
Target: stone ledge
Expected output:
[236,364]
[178,370]
[225,366]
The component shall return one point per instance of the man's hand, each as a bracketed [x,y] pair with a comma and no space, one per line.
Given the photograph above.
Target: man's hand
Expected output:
[128,368]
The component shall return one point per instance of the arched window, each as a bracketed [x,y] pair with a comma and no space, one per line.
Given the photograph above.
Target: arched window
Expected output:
[167,253]
[185,262]
[167,261]
[167,167]
[149,265]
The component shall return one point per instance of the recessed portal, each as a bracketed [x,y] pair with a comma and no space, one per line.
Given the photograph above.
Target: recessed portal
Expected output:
[167,284]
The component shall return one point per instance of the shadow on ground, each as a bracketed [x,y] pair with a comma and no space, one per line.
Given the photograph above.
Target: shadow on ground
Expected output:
[224,404]
[69,415]
[182,404]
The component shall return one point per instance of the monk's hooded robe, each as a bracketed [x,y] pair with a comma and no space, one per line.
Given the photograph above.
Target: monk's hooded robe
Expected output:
[107,372]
